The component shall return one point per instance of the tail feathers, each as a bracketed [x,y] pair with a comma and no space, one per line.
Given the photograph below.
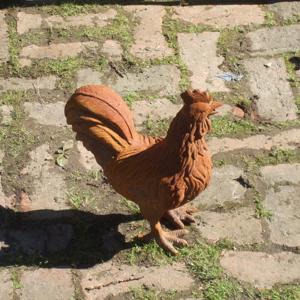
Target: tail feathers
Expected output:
[101,119]
[106,105]
[93,129]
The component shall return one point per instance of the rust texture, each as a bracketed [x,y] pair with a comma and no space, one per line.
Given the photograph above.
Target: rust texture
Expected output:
[159,174]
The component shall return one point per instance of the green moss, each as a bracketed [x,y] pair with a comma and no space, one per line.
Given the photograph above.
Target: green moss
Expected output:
[79,198]
[13,47]
[222,289]
[260,210]
[203,261]
[151,253]
[16,137]
[291,69]
[270,19]
[131,206]
[15,278]
[157,127]
[225,126]
[70,8]
[142,293]
[280,293]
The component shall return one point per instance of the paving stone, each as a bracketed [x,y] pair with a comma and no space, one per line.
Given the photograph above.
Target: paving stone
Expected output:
[41,241]
[86,158]
[156,110]
[239,226]
[46,284]
[221,15]
[27,21]
[113,50]
[282,173]
[6,290]
[108,279]
[162,80]
[55,51]
[5,114]
[149,40]
[288,139]
[19,84]
[4,54]
[88,76]
[283,202]
[48,181]
[268,82]
[269,41]
[199,53]
[46,113]
[286,9]
[263,270]
[224,187]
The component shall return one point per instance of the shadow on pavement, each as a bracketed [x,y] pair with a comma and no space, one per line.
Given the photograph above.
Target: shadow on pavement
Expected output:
[12,3]
[70,238]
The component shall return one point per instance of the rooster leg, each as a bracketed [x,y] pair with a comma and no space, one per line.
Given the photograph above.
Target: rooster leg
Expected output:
[180,216]
[167,239]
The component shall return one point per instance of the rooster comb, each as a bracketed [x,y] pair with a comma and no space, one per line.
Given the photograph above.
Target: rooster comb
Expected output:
[195,96]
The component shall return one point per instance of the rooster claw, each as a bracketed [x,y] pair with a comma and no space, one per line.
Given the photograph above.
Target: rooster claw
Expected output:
[181,216]
[167,239]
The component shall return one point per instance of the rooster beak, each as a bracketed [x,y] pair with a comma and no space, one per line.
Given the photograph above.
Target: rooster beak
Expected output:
[214,106]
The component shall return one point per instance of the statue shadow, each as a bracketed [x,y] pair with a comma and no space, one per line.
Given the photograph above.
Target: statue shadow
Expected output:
[49,238]
[12,3]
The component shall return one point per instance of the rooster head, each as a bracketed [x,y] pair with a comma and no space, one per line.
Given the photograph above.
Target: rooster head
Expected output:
[200,103]
[198,106]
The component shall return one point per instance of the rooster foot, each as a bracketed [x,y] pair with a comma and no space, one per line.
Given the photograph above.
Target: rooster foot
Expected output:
[180,216]
[166,239]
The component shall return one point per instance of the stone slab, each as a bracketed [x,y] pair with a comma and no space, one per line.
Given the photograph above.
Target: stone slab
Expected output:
[199,53]
[26,21]
[6,290]
[268,82]
[56,51]
[162,80]
[286,9]
[282,173]
[155,110]
[284,225]
[4,54]
[88,76]
[19,84]
[239,226]
[149,40]
[220,15]
[46,284]
[288,139]
[86,158]
[46,113]
[224,187]
[274,40]
[5,114]
[112,50]
[40,241]
[48,181]
[263,270]
[108,279]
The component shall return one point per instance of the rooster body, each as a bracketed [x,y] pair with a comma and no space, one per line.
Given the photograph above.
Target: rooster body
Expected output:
[159,175]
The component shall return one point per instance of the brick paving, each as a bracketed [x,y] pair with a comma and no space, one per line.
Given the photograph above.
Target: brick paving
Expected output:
[64,232]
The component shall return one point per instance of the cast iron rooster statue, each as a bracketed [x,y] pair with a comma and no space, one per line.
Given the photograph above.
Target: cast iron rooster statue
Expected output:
[159,174]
